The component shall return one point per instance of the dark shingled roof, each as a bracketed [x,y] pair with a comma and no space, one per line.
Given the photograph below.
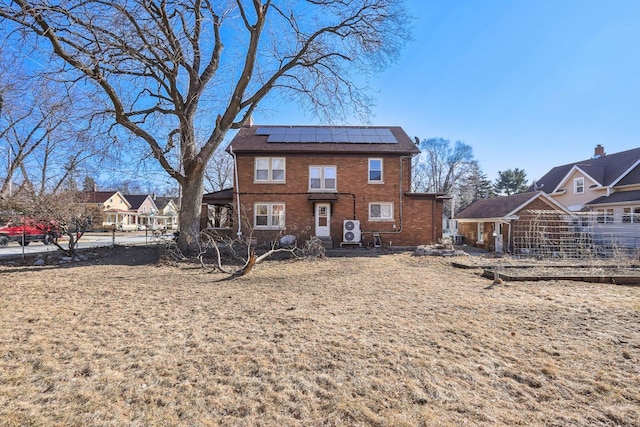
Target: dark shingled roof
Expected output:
[621,197]
[220,197]
[246,140]
[605,170]
[98,196]
[135,200]
[162,202]
[496,207]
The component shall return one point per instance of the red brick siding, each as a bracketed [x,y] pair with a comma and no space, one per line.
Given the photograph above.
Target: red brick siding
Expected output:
[469,231]
[354,196]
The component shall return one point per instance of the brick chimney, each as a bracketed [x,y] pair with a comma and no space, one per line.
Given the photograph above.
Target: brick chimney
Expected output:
[248,123]
[599,151]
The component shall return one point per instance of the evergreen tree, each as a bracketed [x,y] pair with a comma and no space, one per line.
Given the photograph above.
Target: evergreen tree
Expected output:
[88,184]
[511,181]
[474,185]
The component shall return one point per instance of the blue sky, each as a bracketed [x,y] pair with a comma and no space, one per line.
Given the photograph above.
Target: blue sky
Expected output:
[528,84]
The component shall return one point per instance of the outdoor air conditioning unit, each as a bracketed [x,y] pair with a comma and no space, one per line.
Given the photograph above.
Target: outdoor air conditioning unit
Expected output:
[351,231]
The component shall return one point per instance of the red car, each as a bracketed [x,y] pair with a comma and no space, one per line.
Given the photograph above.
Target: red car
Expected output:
[25,231]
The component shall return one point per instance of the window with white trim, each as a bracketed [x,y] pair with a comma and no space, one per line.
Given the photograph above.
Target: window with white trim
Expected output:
[268,216]
[578,185]
[380,211]
[631,215]
[480,238]
[604,216]
[269,169]
[375,171]
[322,178]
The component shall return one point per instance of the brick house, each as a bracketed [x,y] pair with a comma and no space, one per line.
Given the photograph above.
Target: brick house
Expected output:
[345,185]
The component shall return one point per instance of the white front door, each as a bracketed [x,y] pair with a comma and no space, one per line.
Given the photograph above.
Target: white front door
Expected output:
[323,215]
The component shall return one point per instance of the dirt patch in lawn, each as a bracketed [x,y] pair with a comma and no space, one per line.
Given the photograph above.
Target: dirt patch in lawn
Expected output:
[389,340]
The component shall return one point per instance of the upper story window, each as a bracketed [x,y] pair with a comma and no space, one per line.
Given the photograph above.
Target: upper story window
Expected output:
[269,169]
[268,215]
[322,178]
[375,171]
[578,185]
[381,211]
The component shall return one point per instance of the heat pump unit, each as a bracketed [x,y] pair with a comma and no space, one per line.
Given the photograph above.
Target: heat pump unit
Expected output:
[351,231]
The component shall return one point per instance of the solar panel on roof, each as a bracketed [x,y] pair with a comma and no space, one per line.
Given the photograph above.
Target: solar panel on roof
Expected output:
[353,137]
[308,137]
[328,134]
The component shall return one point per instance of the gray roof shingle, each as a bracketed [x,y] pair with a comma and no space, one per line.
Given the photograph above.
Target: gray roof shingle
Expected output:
[496,207]
[605,170]
[620,197]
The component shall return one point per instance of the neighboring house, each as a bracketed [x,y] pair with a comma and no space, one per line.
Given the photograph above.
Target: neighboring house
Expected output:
[495,223]
[167,213]
[607,185]
[111,209]
[107,208]
[345,185]
[577,185]
[142,212]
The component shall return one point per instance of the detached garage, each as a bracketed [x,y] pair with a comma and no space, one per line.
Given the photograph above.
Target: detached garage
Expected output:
[490,223]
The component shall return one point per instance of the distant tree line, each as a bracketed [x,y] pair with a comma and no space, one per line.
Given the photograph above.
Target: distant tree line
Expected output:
[450,168]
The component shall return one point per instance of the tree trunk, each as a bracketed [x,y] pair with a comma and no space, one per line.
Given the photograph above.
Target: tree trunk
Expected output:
[190,210]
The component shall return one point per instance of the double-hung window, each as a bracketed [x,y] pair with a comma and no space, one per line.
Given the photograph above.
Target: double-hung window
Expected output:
[270,169]
[631,215]
[604,216]
[578,185]
[269,215]
[375,171]
[322,178]
[381,211]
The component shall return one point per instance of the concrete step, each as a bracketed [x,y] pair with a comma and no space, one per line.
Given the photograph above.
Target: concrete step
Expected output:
[327,241]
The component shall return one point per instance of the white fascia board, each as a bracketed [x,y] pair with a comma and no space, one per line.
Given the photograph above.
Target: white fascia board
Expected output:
[557,204]
[623,174]
[532,198]
[123,198]
[630,203]
[500,219]
[563,181]
[547,198]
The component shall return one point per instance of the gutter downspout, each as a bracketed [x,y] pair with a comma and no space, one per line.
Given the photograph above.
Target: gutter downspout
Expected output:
[401,208]
[237,190]
[402,192]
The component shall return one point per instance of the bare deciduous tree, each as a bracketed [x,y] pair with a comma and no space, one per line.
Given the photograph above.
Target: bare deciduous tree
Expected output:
[64,209]
[440,166]
[215,247]
[160,68]
[44,140]
[219,172]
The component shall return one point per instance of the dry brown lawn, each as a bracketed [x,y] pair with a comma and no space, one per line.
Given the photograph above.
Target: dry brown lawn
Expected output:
[390,341]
